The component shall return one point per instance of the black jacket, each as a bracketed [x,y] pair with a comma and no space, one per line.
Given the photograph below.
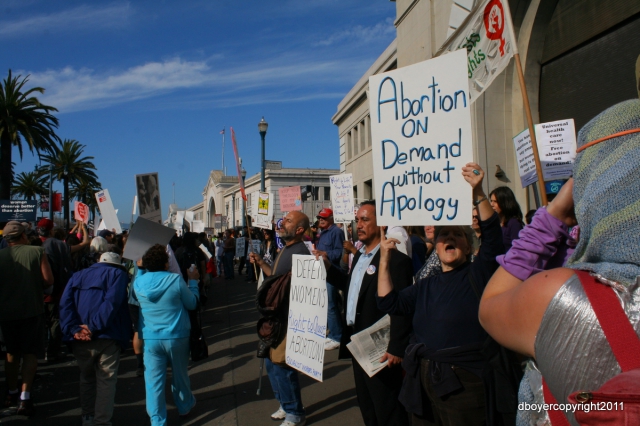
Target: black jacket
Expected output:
[367,312]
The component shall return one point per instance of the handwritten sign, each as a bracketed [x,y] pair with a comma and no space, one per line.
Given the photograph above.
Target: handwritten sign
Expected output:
[557,148]
[240,243]
[290,198]
[421,133]
[342,197]
[256,246]
[524,157]
[107,211]
[307,326]
[81,212]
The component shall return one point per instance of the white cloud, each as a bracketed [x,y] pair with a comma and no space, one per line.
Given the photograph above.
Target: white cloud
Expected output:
[284,78]
[82,17]
[361,34]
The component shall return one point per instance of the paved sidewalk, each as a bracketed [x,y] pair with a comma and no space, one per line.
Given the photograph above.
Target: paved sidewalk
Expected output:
[225,384]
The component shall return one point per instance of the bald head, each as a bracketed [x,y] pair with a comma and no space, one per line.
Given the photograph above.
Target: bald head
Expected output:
[294,225]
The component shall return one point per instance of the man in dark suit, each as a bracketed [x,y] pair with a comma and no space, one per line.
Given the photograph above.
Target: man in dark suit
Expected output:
[377,395]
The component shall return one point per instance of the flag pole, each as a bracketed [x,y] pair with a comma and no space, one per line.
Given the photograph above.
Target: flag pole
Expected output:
[527,107]
[223,172]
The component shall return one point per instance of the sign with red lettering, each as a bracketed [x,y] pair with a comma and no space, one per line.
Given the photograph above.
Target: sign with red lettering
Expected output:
[81,212]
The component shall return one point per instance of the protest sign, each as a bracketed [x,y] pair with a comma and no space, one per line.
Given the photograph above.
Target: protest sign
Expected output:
[264,220]
[421,133]
[144,234]
[342,197]
[487,38]
[290,198]
[524,158]
[307,325]
[197,226]
[148,189]
[255,246]
[18,210]
[557,147]
[263,203]
[217,221]
[188,216]
[81,212]
[108,213]
[240,243]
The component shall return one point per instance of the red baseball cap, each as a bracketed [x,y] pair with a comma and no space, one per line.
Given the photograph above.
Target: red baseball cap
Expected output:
[325,213]
[46,224]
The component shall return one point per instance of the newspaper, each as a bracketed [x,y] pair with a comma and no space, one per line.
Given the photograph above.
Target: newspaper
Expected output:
[368,346]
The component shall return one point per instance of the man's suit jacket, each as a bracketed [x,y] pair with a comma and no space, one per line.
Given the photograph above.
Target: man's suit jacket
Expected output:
[367,312]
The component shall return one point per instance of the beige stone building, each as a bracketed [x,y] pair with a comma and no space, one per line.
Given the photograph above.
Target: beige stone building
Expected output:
[578,58]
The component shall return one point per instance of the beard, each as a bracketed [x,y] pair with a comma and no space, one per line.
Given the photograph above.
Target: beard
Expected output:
[286,235]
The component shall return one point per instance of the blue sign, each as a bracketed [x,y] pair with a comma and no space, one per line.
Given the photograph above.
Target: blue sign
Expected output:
[553,186]
[18,210]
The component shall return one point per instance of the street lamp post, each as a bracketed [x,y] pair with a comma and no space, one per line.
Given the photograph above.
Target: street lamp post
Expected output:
[262,128]
[51,192]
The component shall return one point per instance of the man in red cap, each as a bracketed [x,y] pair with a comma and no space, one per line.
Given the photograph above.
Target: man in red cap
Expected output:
[330,241]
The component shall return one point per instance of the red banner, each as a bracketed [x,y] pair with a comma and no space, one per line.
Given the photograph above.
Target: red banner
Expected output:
[57,202]
[235,152]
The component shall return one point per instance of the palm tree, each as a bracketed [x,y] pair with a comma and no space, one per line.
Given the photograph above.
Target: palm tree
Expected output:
[22,117]
[29,185]
[70,167]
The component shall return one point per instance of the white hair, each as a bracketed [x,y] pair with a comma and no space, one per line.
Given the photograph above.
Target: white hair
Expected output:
[99,245]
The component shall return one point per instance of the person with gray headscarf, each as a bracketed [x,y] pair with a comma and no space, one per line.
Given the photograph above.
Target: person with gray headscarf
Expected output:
[549,316]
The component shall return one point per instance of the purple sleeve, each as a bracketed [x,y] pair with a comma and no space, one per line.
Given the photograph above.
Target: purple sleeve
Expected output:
[544,244]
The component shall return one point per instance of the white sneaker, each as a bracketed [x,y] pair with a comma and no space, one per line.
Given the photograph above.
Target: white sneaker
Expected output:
[279,415]
[290,423]
[330,345]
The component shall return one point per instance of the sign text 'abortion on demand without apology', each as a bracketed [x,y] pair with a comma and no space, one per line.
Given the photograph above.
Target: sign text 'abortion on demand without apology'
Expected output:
[421,131]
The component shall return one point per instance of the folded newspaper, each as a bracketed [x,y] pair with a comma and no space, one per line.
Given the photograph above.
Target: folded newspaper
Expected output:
[368,346]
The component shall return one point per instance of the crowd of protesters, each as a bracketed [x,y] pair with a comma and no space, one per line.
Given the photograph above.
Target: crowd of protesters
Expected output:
[475,329]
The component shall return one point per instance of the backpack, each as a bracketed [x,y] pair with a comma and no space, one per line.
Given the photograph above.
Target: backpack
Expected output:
[617,402]
[272,302]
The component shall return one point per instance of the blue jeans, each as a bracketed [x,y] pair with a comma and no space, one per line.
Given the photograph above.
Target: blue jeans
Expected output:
[228,264]
[334,322]
[157,352]
[285,385]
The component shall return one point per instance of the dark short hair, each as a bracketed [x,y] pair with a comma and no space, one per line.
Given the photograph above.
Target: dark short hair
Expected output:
[368,203]
[155,259]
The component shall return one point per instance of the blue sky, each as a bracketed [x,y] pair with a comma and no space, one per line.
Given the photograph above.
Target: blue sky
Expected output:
[148,85]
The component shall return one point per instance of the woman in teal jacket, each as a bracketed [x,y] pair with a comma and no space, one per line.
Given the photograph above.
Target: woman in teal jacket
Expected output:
[164,325]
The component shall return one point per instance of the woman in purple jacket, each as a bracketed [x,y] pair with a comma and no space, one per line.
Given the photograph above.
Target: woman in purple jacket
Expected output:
[504,203]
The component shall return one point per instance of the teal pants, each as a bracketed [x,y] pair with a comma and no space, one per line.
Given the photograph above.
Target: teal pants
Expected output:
[157,354]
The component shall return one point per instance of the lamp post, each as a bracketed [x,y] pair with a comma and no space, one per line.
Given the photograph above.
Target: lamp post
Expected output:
[262,128]
[51,192]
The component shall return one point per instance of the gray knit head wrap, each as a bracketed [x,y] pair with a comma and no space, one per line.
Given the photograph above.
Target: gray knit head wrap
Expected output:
[606,193]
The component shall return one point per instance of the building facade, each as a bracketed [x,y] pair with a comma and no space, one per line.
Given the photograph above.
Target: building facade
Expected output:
[578,58]
[222,196]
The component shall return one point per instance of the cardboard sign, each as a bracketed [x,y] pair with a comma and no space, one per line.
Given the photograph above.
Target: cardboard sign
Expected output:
[197,226]
[421,139]
[342,197]
[557,148]
[143,235]
[240,244]
[81,212]
[524,157]
[18,210]
[307,325]
[290,198]
[108,213]
[148,189]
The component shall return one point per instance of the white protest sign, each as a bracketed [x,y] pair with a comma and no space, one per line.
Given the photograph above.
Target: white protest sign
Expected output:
[144,234]
[524,157]
[197,226]
[240,243]
[180,218]
[188,216]
[205,250]
[421,139]
[264,220]
[557,148]
[309,245]
[307,326]
[108,213]
[342,197]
